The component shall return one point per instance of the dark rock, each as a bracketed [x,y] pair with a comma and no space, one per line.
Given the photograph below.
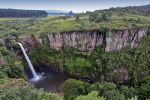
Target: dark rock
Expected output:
[2,62]
[30,42]
[119,75]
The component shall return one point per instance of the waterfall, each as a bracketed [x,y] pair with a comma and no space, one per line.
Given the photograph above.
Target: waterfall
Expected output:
[36,77]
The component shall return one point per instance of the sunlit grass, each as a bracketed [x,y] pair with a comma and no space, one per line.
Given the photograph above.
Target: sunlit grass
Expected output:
[54,24]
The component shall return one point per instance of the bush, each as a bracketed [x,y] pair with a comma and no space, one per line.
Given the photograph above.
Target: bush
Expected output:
[108,90]
[129,93]
[74,88]
[144,90]
[20,90]
[91,96]
[100,17]
[12,67]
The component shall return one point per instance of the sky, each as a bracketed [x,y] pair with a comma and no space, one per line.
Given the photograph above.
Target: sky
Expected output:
[70,5]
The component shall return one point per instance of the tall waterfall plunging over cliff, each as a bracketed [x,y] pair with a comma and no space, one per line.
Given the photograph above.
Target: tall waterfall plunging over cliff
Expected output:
[36,77]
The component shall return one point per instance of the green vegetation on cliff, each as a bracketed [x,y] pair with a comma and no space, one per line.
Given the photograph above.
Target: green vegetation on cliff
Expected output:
[67,59]
[10,67]
[18,89]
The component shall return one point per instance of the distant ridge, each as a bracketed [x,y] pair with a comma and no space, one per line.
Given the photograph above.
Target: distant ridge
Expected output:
[139,10]
[21,13]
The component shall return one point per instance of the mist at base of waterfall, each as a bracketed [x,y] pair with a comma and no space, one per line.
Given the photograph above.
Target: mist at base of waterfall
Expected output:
[36,79]
[51,82]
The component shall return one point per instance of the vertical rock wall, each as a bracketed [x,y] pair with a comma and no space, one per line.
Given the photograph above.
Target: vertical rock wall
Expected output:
[80,40]
[115,40]
[119,39]
[88,40]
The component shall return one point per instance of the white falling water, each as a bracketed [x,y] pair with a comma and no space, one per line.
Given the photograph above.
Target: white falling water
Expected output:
[36,77]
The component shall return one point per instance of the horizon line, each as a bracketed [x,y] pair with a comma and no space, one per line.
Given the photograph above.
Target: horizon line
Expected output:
[74,11]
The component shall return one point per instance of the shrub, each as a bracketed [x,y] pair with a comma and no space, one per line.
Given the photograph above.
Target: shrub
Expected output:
[20,90]
[108,90]
[128,92]
[144,90]
[91,96]
[74,88]
[12,67]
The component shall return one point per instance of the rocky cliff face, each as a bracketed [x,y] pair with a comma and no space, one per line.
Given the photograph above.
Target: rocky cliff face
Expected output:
[88,40]
[114,40]
[122,38]
[80,40]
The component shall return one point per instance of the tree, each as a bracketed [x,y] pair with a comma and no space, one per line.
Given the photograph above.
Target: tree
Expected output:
[128,92]
[22,13]
[18,89]
[74,88]
[108,90]
[100,16]
[144,90]
[93,95]
[99,67]
[77,17]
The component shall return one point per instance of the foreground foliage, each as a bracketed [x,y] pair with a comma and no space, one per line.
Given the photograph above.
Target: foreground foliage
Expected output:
[74,88]
[12,87]
[91,96]
[18,89]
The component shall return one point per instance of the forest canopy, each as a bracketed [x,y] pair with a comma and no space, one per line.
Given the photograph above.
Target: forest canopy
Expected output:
[22,13]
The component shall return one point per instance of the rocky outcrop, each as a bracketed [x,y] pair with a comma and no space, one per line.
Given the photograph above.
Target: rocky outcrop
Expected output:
[30,42]
[119,75]
[2,42]
[114,40]
[2,61]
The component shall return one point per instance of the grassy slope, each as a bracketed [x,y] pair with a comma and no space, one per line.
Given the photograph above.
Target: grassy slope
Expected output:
[55,24]
[116,22]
